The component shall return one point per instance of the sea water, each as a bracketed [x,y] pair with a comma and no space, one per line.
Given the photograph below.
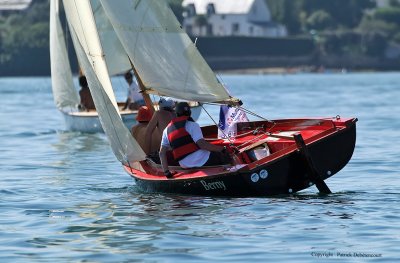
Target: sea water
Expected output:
[65,198]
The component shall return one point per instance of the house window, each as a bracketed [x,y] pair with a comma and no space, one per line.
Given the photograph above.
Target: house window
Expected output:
[251,30]
[210,9]
[235,28]
[190,10]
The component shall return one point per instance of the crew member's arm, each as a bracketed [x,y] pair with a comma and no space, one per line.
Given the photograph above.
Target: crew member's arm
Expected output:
[149,131]
[163,154]
[164,161]
[163,158]
[197,136]
[203,144]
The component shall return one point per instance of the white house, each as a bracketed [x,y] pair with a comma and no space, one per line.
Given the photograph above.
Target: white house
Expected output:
[14,4]
[230,18]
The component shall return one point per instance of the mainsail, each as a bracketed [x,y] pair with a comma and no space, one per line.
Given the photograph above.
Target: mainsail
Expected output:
[164,56]
[90,54]
[116,57]
[64,92]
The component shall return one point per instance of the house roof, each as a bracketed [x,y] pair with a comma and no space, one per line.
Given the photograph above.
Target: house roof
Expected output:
[14,4]
[221,6]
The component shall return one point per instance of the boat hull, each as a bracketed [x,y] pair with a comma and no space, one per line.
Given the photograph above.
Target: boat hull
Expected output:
[89,122]
[284,175]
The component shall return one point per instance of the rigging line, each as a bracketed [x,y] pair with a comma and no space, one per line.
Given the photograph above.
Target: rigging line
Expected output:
[254,114]
[226,137]
[242,108]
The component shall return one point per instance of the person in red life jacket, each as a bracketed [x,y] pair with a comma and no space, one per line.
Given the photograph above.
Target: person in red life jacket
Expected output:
[189,148]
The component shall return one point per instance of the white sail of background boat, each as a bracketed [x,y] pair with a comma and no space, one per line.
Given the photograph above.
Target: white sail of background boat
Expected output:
[183,74]
[168,64]
[64,92]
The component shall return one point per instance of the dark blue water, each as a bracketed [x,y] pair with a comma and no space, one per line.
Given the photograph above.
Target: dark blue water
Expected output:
[65,198]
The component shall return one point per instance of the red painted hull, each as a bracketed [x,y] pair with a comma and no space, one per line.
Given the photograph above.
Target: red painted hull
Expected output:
[329,142]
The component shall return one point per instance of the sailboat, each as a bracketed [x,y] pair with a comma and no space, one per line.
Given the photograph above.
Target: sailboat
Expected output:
[301,152]
[64,92]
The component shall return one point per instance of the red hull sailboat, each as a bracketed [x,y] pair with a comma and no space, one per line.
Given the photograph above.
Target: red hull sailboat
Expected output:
[270,157]
[303,152]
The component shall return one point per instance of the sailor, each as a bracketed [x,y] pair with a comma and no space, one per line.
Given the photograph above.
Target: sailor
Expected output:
[135,98]
[189,148]
[158,122]
[139,130]
[85,95]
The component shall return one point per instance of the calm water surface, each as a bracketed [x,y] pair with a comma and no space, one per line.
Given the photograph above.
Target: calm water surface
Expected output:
[65,198]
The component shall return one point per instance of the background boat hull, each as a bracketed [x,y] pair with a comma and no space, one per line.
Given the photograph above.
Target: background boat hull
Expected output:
[90,122]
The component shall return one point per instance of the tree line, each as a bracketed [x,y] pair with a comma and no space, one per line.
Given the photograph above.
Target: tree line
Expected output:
[342,26]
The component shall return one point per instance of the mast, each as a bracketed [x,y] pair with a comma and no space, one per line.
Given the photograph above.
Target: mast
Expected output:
[145,95]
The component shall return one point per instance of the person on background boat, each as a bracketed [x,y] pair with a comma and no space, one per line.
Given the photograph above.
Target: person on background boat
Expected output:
[139,131]
[159,121]
[185,138]
[86,97]
[135,98]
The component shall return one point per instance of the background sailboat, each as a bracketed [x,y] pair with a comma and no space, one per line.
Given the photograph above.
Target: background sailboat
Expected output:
[168,64]
[65,94]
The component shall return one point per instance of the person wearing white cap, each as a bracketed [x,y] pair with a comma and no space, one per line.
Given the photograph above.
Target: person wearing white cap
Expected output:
[159,121]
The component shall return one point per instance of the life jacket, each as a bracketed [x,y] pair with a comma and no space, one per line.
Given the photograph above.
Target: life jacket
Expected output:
[180,140]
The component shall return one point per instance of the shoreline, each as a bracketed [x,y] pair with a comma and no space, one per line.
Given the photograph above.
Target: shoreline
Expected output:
[261,71]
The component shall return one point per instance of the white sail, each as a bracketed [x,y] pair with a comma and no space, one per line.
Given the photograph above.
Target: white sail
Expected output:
[164,56]
[81,21]
[64,92]
[89,52]
[116,57]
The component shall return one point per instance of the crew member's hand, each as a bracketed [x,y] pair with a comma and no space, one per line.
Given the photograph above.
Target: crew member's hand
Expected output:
[232,149]
[168,174]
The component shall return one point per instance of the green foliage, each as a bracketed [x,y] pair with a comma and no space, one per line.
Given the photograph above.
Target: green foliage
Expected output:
[347,13]
[371,44]
[319,20]
[288,13]
[25,31]
[375,44]
[370,24]
[396,38]
[295,13]
[176,6]
[394,3]
[389,14]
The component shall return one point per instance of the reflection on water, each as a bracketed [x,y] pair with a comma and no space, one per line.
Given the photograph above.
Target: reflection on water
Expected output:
[77,142]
